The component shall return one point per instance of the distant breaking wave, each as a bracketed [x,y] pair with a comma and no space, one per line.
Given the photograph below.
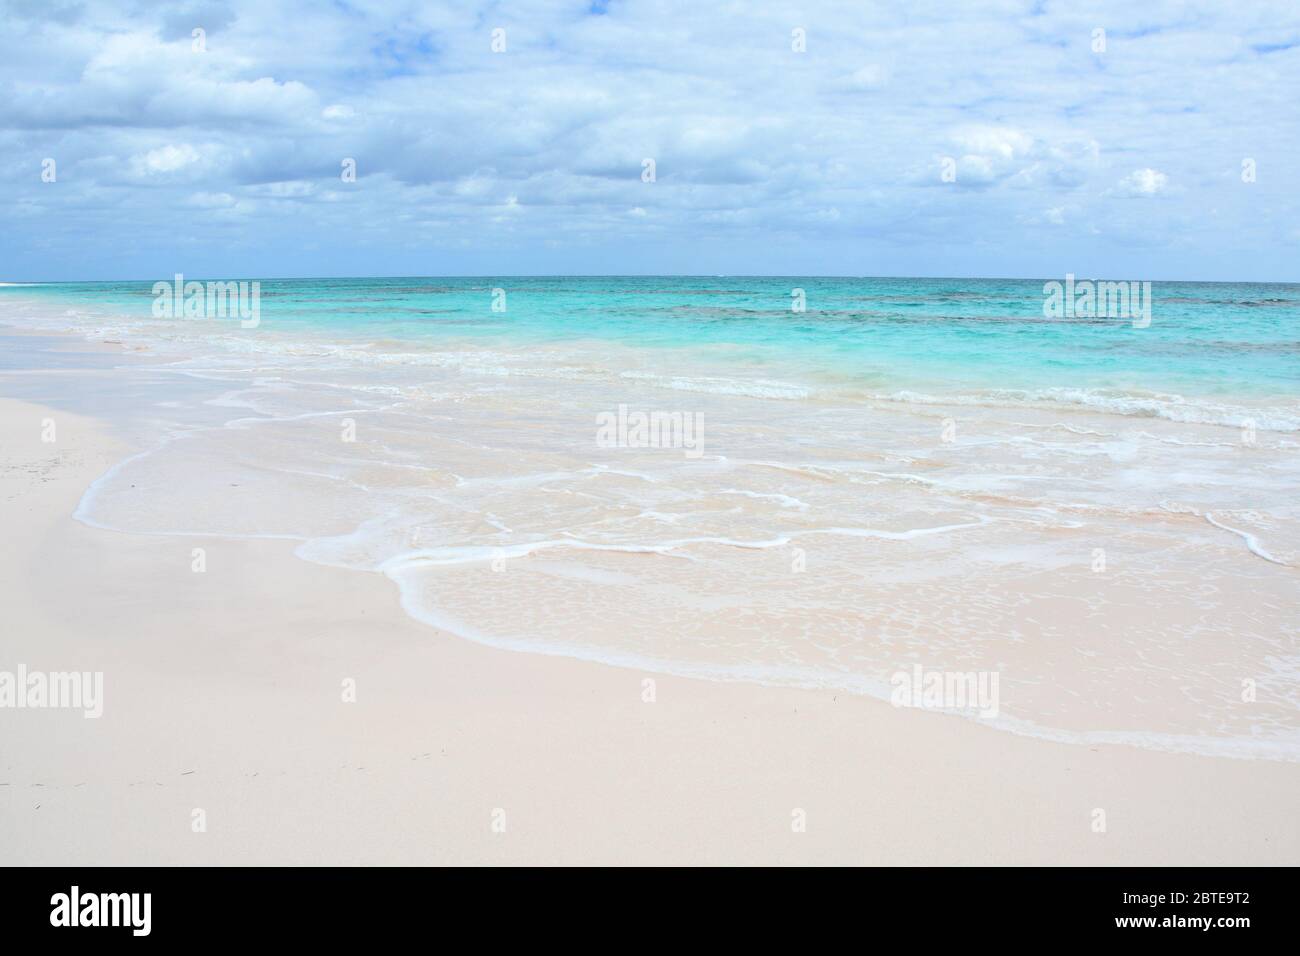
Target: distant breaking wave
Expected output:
[1174,408]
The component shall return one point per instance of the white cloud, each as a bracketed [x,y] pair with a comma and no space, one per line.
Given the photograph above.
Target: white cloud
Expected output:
[167,159]
[1144,182]
[870,77]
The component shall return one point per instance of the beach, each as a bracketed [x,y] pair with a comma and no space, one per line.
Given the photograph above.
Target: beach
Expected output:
[628,434]
[285,705]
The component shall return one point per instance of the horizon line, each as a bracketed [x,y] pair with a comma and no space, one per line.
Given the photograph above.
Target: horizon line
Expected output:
[14,283]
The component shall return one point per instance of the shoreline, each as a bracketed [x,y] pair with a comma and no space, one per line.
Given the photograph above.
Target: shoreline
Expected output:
[222,693]
[203,390]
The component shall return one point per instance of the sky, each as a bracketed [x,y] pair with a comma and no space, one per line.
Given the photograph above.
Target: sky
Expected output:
[1122,140]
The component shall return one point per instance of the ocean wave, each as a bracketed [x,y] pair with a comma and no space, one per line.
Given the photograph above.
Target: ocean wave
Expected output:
[1174,408]
[715,385]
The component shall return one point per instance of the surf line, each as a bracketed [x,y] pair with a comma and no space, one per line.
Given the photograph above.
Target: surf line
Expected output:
[1252,542]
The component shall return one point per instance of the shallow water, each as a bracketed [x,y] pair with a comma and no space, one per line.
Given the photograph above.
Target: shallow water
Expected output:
[910,472]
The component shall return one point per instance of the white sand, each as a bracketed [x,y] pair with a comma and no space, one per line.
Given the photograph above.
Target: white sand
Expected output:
[223,692]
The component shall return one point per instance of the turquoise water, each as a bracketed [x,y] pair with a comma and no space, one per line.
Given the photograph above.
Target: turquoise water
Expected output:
[1204,338]
[910,471]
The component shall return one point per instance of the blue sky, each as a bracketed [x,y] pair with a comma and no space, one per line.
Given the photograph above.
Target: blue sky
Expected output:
[1122,162]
